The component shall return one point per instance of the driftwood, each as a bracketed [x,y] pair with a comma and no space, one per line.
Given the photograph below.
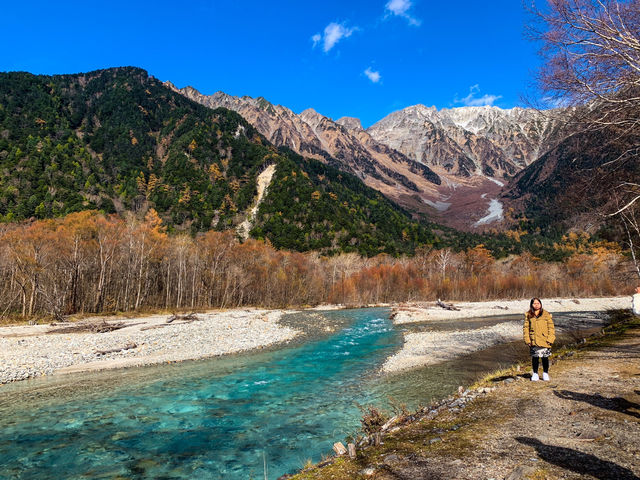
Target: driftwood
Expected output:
[189,317]
[87,327]
[114,350]
[446,306]
[179,319]
[392,421]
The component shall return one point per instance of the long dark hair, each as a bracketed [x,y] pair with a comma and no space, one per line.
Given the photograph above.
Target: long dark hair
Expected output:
[531,310]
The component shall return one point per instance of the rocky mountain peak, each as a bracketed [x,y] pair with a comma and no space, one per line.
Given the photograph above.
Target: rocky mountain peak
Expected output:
[171,86]
[311,116]
[418,156]
[189,90]
[487,140]
[350,123]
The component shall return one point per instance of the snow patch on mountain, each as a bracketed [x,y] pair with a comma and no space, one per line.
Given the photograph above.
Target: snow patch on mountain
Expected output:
[494,214]
[497,182]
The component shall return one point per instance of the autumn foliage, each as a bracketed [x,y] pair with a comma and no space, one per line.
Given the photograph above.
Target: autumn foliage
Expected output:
[88,262]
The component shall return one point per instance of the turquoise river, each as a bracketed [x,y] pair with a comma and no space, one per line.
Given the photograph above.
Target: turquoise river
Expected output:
[223,418]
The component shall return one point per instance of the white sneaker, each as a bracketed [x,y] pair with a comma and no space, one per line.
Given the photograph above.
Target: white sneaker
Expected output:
[545,377]
[535,377]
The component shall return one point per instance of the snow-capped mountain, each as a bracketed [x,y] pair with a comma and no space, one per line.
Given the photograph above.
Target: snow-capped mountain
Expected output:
[468,141]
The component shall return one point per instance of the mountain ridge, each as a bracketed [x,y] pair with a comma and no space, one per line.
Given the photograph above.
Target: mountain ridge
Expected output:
[316,136]
[444,164]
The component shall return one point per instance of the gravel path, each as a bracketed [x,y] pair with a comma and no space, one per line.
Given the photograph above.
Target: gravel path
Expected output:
[29,351]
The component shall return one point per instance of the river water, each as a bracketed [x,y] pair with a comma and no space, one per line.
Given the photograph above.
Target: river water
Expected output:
[224,418]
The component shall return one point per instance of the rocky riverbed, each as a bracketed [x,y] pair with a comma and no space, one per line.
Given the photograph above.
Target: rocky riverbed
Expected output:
[427,348]
[30,351]
[430,311]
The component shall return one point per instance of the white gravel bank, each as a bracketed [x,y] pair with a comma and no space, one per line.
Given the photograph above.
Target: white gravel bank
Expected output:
[27,351]
[427,348]
[430,311]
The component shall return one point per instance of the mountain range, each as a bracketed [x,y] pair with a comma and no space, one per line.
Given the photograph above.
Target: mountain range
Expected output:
[121,141]
[448,164]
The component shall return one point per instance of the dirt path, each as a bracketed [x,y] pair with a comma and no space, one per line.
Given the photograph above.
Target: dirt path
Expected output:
[584,423]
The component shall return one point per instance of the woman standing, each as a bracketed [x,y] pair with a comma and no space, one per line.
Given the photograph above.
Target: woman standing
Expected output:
[539,334]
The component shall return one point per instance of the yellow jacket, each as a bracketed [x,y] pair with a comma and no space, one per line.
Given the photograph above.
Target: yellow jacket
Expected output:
[539,331]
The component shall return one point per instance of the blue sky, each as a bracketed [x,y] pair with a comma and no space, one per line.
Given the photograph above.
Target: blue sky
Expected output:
[343,58]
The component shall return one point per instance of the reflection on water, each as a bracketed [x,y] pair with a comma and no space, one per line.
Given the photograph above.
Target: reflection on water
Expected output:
[217,418]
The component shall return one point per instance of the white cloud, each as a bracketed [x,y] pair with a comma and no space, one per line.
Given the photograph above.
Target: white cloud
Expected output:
[552,102]
[373,76]
[333,33]
[472,101]
[400,8]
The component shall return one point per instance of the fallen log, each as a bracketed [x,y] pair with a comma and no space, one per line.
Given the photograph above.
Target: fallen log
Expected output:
[90,327]
[114,350]
[447,306]
[189,317]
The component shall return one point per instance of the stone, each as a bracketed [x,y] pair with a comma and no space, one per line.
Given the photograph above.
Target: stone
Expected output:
[391,458]
[521,471]
[352,450]
[339,448]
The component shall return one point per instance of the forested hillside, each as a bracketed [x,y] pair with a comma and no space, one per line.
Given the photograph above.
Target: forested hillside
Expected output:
[118,140]
[155,175]
[578,183]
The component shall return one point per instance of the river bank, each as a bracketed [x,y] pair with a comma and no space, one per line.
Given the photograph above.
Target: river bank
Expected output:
[582,423]
[430,311]
[35,350]
[28,351]
[427,348]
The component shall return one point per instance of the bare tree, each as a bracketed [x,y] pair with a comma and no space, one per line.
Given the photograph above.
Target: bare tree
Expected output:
[591,52]
[444,259]
[629,215]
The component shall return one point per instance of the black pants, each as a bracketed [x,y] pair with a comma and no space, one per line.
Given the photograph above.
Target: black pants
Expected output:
[535,361]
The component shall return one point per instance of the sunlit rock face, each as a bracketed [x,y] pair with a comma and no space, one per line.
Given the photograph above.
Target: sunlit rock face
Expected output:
[468,141]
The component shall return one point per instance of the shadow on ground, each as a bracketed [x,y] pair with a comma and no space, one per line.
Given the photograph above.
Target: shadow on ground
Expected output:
[578,462]
[617,404]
